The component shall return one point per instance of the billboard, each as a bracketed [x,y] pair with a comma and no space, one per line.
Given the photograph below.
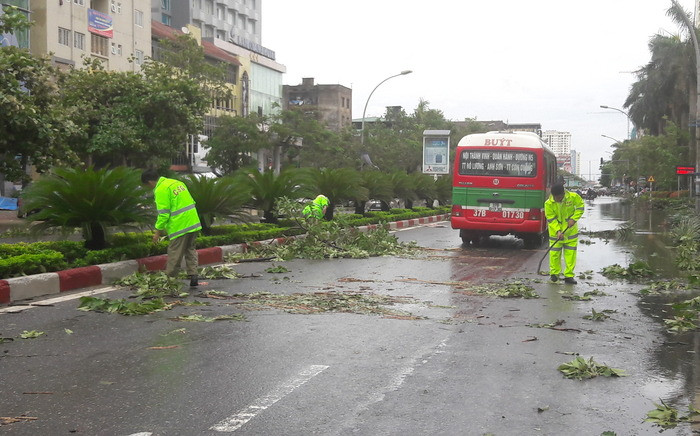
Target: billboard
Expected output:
[100,24]
[436,151]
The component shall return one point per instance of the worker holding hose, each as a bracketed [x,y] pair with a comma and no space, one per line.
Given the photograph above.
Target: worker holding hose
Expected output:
[563,209]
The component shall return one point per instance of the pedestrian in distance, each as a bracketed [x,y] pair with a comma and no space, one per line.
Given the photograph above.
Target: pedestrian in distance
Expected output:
[178,220]
[563,209]
[317,208]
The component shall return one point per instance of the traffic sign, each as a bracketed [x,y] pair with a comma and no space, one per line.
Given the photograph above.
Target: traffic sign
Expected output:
[651,179]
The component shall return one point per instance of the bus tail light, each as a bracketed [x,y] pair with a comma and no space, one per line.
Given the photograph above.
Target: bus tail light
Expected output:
[535,214]
[457,210]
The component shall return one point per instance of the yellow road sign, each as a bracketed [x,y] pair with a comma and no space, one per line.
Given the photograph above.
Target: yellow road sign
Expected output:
[651,179]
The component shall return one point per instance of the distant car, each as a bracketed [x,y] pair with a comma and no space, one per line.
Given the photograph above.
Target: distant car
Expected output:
[373,206]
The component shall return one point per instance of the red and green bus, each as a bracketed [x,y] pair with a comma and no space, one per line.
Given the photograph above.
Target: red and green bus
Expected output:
[500,183]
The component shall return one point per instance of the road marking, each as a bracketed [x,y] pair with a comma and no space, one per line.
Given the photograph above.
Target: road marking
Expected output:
[62,298]
[143,433]
[236,421]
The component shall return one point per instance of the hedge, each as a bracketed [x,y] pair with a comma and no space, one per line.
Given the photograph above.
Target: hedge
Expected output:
[32,258]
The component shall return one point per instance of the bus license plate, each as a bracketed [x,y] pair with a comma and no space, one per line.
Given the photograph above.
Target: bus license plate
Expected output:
[495,207]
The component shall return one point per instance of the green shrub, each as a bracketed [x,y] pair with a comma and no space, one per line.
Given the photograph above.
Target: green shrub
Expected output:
[26,264]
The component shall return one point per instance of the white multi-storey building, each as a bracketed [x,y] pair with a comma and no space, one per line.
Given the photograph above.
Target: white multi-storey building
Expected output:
[559,142]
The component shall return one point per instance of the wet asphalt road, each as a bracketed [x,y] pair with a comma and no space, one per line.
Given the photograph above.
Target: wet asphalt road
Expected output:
[471,366]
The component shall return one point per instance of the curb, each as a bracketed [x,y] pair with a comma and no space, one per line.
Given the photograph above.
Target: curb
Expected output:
[39,285]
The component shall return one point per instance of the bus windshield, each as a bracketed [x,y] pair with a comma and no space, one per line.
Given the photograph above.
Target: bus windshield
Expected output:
[489,162]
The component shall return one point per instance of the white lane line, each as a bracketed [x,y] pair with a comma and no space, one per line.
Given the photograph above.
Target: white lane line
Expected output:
[236,421]
[48,301]
[143,433]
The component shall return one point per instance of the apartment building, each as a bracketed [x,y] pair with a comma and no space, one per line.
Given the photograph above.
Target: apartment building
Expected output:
[330,103]
[234,21]
[112,31]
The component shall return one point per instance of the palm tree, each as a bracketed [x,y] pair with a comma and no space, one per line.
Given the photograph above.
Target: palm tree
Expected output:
[336,184]
[378,187]
[404,187]
[217,197]
[663,85]
[90,199]
[266,188]
[443,188]
[424,187]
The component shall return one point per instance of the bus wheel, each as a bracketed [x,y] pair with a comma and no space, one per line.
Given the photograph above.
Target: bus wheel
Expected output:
[468,237]
[533,241]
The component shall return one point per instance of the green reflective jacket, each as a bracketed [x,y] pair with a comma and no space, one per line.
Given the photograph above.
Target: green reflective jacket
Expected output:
[177,214]
[571,207]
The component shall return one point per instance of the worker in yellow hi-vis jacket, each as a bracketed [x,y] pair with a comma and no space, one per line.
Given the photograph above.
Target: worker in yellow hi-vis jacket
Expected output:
[563,209]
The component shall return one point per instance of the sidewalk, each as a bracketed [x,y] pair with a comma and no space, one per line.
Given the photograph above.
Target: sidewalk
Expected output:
[8,220]
[39,285]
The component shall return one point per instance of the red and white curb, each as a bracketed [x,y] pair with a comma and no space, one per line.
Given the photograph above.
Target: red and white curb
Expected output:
[38,285]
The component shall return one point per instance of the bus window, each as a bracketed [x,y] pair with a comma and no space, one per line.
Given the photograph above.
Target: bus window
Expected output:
[475,162]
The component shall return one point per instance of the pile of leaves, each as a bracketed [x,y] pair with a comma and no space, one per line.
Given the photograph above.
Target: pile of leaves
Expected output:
[665,286]
[515,289]
[635,270]
[218,272]
[580,369]
[599,316]
[123,306]
[319,302]
[685,316]
[667,417]
[156,284]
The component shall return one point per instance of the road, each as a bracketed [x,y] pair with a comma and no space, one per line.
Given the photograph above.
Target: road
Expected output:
[461,364]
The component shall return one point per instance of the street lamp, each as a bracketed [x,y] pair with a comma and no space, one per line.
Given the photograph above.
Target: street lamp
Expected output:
[610,137]
[362,129]
[622,112]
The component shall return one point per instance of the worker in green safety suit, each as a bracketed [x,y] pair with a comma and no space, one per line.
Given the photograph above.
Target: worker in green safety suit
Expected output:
[318,207]
[178,220]
[563,209]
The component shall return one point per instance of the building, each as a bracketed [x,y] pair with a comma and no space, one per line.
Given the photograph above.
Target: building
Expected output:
[560,143]
[332,104]
[19,38]
[235,21]
[113,31]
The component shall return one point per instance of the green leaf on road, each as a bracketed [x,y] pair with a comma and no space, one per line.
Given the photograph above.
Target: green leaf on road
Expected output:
[580,369]
[31,334]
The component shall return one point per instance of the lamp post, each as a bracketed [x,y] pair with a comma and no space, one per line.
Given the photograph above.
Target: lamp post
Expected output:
[610,137]
[362,129]
[622,112]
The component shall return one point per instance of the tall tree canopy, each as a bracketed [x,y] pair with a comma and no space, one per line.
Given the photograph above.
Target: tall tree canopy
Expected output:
[33,126]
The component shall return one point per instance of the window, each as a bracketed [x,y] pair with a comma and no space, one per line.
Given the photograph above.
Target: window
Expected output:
[79,2]
[165,4]
[115,7]
[79,40]
[165,19]
[221,12]
[138,17]
[210,7]
[221,34]
[252,4]
[229,16]
[251,28]
[100,45]
[138,57]
[63,36]
[208,31]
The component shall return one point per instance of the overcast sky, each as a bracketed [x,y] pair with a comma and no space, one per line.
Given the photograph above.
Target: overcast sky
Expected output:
[552,62]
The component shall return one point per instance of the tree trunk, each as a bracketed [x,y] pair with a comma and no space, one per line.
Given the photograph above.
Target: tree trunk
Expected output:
[97,239]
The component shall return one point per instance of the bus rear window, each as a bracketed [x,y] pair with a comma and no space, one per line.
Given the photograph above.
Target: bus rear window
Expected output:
[497,163]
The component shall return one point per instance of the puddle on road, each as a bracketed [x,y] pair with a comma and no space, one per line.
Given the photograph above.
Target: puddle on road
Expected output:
[677,360]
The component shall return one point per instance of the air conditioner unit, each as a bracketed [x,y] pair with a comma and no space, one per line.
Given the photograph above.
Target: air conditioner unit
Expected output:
[114,8]
[114,50]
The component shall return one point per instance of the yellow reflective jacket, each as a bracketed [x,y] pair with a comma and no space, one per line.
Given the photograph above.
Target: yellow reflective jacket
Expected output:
[177,214]
[557,214]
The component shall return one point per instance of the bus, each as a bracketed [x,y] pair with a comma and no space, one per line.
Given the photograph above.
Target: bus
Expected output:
[500,182]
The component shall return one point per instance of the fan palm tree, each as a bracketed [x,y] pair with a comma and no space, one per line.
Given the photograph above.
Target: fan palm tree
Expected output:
[218,197]
[90,199]
[404,187]
[266,188]
[338,184]
[378,187]
[424,187]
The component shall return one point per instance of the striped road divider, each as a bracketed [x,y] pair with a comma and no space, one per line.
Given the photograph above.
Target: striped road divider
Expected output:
[39,285]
